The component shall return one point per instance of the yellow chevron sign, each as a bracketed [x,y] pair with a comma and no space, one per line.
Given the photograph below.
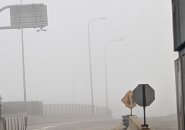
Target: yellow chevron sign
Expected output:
[128,100]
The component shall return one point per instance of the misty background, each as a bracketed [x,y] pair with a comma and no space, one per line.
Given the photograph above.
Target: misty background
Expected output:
[57,61]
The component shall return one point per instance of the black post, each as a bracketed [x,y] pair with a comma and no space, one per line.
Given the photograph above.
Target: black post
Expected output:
[144,115]
[144,107]
[131,112]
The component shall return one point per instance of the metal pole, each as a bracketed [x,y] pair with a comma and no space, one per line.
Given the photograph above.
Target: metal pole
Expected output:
[90,69]
[23,63]
[106,87]
[144,107]
[90,64]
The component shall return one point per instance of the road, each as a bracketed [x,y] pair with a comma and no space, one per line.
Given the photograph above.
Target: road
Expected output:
[79,125]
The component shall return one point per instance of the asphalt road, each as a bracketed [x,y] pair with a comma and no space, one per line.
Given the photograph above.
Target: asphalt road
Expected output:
[79,125]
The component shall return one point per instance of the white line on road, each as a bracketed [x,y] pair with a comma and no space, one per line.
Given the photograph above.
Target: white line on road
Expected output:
[67,123]
[52,126]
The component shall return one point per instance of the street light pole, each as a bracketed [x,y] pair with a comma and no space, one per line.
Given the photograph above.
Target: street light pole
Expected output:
[90,62]
[106,76]
[23,63]
[23,66]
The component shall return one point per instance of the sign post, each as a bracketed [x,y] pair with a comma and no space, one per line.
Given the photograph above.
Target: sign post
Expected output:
[128,101]
[144,95]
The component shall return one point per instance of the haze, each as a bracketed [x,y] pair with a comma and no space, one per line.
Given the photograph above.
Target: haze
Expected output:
[57,62]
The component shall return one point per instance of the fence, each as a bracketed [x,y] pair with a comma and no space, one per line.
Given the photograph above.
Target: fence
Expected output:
[31,108]
[49,109]
[38,108]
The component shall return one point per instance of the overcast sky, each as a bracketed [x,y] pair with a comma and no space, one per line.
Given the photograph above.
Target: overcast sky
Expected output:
[57,62]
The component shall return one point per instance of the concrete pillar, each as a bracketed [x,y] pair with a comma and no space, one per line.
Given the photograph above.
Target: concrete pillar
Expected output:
[2,124]
[180,90]
[179,46]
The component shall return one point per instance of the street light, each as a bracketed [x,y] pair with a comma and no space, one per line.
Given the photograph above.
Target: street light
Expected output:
[90,62]
[106,82]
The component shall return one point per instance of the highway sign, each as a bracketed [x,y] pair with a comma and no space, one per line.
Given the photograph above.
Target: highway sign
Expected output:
[28,16]
[143,95]
[128,100]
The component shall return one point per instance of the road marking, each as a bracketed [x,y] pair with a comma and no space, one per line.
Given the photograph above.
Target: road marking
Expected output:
[67,123]
[52,126]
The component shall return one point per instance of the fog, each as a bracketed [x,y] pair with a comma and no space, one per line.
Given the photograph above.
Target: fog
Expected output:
[57,61]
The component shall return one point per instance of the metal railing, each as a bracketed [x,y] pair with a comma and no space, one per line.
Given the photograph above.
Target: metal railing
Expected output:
[49,109]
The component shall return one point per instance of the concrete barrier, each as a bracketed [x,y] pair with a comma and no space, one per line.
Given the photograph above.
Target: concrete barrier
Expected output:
[2,124]
[135,124]
[15,123]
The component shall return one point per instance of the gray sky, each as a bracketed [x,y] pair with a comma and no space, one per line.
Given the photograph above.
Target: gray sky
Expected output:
[57,67]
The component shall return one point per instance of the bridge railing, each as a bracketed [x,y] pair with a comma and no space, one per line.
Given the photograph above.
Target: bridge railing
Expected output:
[49,109]
[38,108]
[17,108]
